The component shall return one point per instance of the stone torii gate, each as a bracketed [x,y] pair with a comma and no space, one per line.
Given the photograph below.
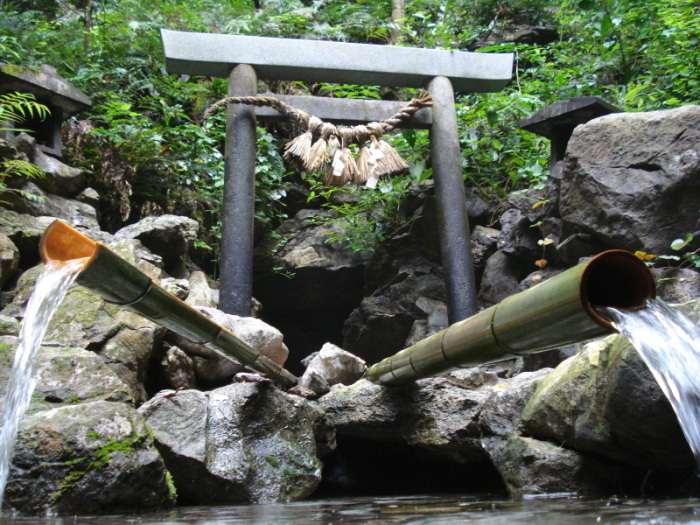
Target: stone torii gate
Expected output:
[244,59]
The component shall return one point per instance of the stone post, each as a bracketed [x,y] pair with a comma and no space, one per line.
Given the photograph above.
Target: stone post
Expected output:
[453,219]
[239,197]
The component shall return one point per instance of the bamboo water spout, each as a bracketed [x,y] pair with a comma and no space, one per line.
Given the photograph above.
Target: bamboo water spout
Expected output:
[118,282]
[557,312]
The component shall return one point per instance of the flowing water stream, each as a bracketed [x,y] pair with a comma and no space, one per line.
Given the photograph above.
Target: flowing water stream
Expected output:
[50,289]
[669,343]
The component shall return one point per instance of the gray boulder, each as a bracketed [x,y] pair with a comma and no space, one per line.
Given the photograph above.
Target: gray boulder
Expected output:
[213,368]
[8,326]
[60,179]
[9,259]
[442,414]
[302,268]
[382,323]
[677,285]
[90,197]
[130,349]
[364,410]
[500,412]
[633,179]
[536,203]
[501,278]
[246,442]
[24,231]
[517,238]
[87,458]
[530,467]
[169,236]
[201,294]
[602,401]
[178,369]
[436,320]
[447,415]
[484,242]
[23,144]
[37,202]
[67,376]
[331,366]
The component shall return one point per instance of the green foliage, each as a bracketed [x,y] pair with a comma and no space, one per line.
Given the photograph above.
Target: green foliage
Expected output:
[497,155]
[457,24]
[349,91]
[269,174]
[690,257]
[358,21]
[16,108]
[645,52]
[362,216]
[143,147]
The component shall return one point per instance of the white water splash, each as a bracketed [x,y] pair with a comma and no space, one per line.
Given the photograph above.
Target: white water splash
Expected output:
[669,343]
[51,288]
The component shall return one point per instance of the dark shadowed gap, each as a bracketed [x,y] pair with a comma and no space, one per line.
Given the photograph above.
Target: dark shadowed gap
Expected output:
[306,331]
[362,467]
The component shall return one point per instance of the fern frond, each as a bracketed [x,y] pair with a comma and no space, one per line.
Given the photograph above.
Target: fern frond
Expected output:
[16,108]
[20,168]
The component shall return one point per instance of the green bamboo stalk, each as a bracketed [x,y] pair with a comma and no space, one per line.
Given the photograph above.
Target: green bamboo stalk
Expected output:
[556,312]
[118,282]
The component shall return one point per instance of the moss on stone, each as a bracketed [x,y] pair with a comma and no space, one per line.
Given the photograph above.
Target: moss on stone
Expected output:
[97,459]
[16,70]
[272,461]
[5,350]
[170,484]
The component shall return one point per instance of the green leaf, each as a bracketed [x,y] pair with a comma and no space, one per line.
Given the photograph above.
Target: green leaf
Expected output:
[492,117]
[679,244]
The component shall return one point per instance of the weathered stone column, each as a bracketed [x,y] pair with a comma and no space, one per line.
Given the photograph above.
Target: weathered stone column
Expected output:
[239,197]
[453,219]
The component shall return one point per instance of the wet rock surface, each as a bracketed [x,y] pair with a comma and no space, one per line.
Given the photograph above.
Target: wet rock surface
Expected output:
[246,442]
[87,458]
[602,401]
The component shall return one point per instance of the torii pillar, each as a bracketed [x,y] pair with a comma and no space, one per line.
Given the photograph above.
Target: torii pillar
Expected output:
[245,58]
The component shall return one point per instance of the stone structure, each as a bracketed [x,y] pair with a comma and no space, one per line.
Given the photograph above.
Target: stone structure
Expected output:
[557,121]
[243,59]
[60,96]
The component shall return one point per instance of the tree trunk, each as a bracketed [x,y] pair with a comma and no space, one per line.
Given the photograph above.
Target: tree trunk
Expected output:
[398,14]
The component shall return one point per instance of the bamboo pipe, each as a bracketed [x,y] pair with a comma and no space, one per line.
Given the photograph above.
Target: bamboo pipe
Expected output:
[556,312]
[118,282]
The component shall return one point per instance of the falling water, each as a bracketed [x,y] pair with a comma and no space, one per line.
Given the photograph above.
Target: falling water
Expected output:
[669,343]
[51,288]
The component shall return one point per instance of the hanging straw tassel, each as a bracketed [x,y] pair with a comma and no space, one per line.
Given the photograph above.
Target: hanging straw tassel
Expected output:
[391,163]
[377,160]
[363,167]
[318,155]
[343,167]
[373,159]
[335,169]
[388,162]
[299,148]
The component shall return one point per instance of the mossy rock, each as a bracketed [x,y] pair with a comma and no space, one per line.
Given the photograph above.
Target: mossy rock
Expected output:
[93,457]
[605,400]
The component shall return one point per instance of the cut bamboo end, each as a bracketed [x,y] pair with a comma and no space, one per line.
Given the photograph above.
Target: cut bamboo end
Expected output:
[60,242]
[618,279]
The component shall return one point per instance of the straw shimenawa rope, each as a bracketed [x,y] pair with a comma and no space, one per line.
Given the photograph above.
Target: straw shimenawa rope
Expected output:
[326,147]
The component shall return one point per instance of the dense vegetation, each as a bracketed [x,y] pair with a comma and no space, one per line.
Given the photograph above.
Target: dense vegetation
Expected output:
[145,151]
